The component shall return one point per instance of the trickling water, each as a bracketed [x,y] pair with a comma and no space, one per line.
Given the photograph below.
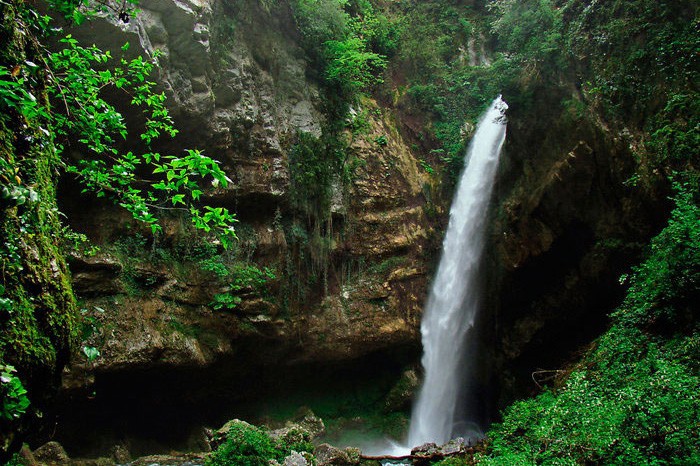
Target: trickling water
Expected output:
[454,298]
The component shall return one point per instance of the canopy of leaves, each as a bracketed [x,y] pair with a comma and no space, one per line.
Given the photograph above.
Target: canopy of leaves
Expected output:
[92,137]
[347,39]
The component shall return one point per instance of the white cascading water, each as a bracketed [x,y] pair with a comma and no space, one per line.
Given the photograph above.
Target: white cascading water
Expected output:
[454,298]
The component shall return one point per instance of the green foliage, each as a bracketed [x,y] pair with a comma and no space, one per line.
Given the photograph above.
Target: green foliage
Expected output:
[632,61]
[634,398]
[82,75]
[351,66]
[192,253]
[634,51]
[80,78]
[349,47]
[12,393]
[91,353]
[387,265]
[37,308]
[381,140]
[320,21]
[16,460]
[242,278]
[247,445]
[674,132]
[314,165]
[665,289]
[627,56]
[442,83]
[533,30]
[244,446]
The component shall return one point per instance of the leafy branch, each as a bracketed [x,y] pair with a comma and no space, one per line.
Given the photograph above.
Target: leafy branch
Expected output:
[142,182]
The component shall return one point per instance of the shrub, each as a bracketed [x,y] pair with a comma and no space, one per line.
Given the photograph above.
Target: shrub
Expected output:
[248,445]
[245,445]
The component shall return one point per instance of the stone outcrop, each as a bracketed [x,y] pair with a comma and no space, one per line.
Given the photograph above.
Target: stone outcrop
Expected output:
[239,87]
[37,303]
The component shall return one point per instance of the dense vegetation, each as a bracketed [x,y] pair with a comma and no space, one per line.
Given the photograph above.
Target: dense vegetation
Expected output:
[633,397]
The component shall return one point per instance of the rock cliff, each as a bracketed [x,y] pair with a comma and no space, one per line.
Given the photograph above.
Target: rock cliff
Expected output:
[569,224]
[347,276]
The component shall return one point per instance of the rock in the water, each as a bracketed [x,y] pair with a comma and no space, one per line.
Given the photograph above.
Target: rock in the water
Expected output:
[427,449]
[454,446]
[51,453]
[296,459]
[312,423]
[328,455]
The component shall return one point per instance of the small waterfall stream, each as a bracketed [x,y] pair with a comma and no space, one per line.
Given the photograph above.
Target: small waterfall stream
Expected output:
[453,302]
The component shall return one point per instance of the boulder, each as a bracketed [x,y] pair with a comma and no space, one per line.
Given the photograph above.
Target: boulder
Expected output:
[328,455]
[427,449]
[26,457]
[220,435]
[51,453]
[312,423]
[296,459]
[454,446]
[401,395]
[121,454]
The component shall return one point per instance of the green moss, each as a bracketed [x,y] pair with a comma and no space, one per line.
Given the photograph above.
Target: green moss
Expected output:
[37,326]
[387,265]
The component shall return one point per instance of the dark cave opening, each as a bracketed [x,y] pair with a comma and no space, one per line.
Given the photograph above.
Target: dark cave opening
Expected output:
[165,409]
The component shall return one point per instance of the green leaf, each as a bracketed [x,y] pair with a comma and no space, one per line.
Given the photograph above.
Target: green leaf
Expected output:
[91,353]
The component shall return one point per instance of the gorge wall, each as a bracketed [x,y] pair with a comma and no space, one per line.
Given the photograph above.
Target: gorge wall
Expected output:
[349,272]
[568,226]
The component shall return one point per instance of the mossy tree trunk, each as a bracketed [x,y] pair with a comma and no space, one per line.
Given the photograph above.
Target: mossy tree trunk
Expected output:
[38,312]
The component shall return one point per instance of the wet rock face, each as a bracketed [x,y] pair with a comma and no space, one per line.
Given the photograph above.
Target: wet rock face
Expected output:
[566,228]
[149,313]
[235,78]
[239,88]
[51,453]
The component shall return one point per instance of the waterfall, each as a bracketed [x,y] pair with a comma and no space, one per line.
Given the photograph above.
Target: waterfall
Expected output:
[454,298]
